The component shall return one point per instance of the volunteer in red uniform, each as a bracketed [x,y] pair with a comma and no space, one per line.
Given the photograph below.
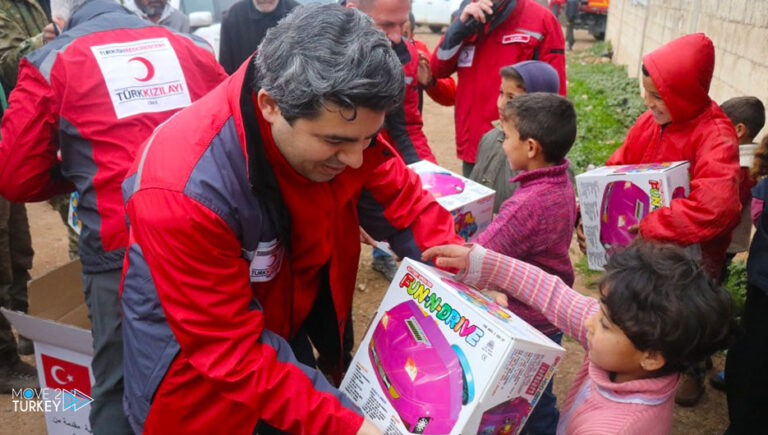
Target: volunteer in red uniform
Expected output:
[488,35]
[244,217]
[94,95]
[404,125]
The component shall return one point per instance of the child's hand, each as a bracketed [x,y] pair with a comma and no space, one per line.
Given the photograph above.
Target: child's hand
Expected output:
[498,297]
[456,256]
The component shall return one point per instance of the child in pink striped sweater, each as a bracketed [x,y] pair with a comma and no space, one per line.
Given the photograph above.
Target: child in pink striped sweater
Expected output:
[657,314]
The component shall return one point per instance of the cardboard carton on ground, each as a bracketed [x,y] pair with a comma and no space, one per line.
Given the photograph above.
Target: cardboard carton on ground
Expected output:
[58,324]
[470,203]
[440,357]
[614,198]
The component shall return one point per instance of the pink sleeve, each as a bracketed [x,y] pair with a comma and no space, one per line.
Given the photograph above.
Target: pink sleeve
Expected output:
[560,304]
[757,208]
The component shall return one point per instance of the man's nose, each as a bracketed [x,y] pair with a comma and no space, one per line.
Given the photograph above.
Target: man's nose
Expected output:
[352,154]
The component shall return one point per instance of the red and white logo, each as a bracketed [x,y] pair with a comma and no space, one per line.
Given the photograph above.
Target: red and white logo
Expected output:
[516,37]
[147,64]
[65,375]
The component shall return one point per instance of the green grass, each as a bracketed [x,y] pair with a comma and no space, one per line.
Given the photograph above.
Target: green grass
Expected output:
[736,284]
[591,277]
[607,103]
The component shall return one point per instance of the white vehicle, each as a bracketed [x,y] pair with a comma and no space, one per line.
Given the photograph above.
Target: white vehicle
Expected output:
[435,14]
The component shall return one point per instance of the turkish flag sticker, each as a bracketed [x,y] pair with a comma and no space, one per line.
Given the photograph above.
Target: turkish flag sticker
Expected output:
[65,375]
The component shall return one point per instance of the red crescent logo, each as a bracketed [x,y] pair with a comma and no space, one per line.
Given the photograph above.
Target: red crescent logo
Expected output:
[148,65]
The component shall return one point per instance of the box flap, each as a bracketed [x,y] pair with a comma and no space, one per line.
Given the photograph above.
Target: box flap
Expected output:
[57,311]
[58,295]
[48,331]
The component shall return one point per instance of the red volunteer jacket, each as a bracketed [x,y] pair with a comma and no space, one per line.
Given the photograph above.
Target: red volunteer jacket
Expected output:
[205,328]
[94,94]
[520,30]
[702,134]
[404,126]
[443,90]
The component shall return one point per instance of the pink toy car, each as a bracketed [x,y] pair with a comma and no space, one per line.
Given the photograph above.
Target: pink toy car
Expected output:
[441,183]
[624,204]
[504,418]
[424,378]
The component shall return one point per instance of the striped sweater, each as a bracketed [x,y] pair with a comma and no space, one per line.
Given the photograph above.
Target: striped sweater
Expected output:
[595,404]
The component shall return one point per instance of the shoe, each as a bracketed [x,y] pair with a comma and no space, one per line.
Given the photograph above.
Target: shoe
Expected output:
[718,381]
[690,391]
[386,265]
[17,376]
[25,346]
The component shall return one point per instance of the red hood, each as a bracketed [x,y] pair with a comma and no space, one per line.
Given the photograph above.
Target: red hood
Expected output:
[682,71]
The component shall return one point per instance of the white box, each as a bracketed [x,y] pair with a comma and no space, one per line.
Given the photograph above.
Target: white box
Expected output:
[470,203]
[58,324]
[614,198]
[440,357]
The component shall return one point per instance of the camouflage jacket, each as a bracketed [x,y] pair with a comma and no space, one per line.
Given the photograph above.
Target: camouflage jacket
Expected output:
[21,32]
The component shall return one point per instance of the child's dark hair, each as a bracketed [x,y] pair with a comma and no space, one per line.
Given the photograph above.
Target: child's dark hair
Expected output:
[760,164]
[746,110]
[663,300]
[510,73]
[547,118]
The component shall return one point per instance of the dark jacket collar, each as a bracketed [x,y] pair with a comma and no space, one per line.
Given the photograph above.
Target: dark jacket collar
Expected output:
[91,9]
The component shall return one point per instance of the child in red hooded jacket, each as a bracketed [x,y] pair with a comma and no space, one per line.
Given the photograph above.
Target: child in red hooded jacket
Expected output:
[683,123]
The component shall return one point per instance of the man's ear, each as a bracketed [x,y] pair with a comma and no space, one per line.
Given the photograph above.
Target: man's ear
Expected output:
[268,106]
[353,5]
[652,361]
[742,130]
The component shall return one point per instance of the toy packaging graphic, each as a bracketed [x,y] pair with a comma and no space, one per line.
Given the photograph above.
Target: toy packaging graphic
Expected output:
[470,203]
[440,357]
[614,198]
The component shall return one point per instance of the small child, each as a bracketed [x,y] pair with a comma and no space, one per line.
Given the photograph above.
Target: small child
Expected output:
[491,168]
[748,117]
[747,358]
[536,223]
[657,314]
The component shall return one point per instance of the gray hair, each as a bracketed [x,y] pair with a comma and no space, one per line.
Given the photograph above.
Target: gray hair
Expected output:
[326,53]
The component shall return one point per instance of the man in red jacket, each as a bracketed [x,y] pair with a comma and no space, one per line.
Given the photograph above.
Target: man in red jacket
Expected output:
[488,35]
[244,245]
[683,123]
[94,94]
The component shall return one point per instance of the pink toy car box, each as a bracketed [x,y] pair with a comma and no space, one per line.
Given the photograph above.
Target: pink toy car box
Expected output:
[442,358]
[613,199]
[470,203]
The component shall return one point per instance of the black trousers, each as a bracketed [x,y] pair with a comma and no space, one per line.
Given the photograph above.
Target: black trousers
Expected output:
[746,367]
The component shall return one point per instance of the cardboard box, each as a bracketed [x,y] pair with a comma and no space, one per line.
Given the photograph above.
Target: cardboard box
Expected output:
[58,324]
[614,198]
[440,357]
[470,203]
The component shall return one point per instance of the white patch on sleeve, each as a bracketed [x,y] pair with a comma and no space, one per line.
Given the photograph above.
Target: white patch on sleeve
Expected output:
[142,76]
[466,56]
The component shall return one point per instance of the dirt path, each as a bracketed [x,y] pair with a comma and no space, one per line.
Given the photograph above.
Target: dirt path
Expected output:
[49,239]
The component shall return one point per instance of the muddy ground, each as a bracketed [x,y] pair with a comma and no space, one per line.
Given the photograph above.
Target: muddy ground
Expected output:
[49,239]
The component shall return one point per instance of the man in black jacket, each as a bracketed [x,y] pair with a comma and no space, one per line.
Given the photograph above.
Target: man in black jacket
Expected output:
[244,27]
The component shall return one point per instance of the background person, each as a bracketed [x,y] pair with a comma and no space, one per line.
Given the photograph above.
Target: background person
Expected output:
[245,25]
[71,99]
[487,36]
